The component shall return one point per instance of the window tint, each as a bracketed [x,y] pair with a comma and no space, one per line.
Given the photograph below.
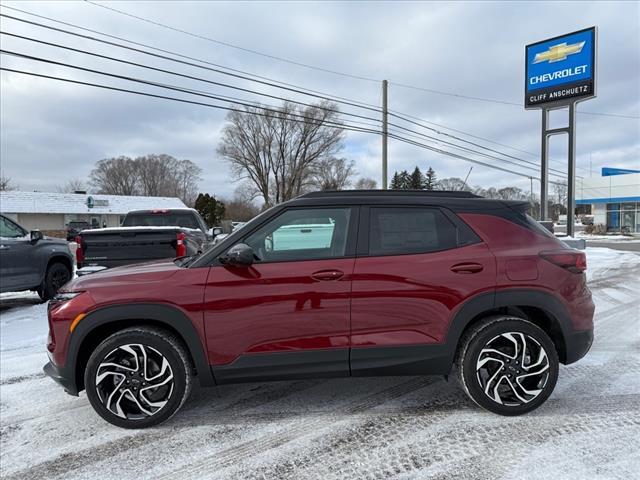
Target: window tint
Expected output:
[302,234]
[401,230]
[8,229]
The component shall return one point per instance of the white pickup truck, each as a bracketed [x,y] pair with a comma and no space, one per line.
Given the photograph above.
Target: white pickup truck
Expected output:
[296,237]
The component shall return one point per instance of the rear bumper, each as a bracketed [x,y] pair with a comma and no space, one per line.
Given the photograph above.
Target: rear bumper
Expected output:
[62,377]
[578,344]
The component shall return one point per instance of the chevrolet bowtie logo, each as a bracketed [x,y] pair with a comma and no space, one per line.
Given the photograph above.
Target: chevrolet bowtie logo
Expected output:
[558,52]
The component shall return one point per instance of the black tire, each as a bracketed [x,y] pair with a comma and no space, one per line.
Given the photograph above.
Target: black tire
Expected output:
[158,344]
[508,367]
[55,277]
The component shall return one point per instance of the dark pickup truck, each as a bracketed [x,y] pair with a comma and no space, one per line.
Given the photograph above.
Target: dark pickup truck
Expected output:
[144,235]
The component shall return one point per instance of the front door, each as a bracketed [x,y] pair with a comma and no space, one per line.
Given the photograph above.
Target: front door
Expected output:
[288,314]
[17,268]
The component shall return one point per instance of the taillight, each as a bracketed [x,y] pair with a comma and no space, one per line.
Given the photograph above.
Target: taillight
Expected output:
[79,252]
[181,248]
[572,260]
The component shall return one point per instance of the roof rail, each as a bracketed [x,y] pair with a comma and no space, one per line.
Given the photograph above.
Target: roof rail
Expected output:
[391,193]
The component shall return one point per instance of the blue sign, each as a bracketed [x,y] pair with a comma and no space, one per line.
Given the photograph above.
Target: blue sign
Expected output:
[561,68]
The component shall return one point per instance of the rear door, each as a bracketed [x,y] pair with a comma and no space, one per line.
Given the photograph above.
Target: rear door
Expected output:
[287,315]
[415,267]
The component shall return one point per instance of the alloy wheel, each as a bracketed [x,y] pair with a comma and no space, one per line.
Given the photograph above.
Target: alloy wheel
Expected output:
[512,369]
[134,381]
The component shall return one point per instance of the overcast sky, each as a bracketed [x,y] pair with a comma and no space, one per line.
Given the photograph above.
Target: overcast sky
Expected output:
[53,131]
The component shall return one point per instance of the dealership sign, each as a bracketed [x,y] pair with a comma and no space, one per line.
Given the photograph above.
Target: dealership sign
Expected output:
[561,69]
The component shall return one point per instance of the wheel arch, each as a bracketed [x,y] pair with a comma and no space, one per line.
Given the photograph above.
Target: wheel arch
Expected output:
[57,258]
[539,307]
[101,323]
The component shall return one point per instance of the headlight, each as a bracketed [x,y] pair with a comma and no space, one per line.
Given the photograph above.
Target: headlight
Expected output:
[64,296]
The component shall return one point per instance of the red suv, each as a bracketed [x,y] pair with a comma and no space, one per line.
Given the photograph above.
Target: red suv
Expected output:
[333,284]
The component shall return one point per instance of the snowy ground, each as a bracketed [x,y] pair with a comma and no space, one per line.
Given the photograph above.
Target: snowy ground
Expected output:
[409,427]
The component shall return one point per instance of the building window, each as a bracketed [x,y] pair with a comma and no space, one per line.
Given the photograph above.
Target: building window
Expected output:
[623,217]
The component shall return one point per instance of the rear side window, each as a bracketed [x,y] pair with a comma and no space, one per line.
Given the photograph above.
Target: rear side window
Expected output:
[403,230]
[185,220]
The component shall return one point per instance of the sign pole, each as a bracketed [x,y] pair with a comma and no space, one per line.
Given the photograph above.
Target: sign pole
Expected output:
[571,192]
[384,134]
[544,167]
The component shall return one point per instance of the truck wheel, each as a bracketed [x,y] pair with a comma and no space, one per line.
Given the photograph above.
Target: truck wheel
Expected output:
[138,377]
[507,365]
[56,276]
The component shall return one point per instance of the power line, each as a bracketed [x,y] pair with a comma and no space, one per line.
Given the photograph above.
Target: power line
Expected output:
[406,118]
[335,72]
[239,73]
[502,102]
[231,45]
[217,97]
[465,148]
[191,77]
[221,107]
[462,157]
[324,96]
[471,143]
[169,87]
[259,93]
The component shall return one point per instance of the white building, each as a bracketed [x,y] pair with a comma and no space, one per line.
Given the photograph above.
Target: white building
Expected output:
[612,198]
[50,212]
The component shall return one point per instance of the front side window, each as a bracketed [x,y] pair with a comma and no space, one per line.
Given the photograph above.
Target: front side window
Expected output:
[8,229]
[302,234]
[405,230]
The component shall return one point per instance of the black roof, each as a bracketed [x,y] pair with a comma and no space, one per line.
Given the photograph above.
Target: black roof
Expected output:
[391,193]
[455,200]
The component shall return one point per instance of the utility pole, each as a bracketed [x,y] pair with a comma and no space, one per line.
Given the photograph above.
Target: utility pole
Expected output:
[385,85]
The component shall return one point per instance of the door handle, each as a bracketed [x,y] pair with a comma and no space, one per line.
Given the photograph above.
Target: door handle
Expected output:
[466,268]
[327,275]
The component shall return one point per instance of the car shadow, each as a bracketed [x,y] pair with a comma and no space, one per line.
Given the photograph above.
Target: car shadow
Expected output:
[343,397]
[8,302]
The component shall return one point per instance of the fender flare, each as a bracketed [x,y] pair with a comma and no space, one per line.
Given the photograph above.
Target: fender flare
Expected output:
[156,313]
[486,302]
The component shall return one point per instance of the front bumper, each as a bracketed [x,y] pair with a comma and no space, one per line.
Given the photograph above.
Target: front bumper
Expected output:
[578,344]
[62,377]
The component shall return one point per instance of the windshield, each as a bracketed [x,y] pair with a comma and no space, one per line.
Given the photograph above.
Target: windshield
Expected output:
[185,220]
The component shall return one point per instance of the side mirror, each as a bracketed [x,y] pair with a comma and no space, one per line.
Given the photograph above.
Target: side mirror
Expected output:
[239,254]
[216,231]
[35,235]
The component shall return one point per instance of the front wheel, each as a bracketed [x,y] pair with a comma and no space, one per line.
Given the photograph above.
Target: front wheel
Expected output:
[55,277]
[138,377]
[507,365]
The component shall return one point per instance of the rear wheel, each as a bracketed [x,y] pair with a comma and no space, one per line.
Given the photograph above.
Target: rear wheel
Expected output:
[507,365]
[138,377]
[55,277]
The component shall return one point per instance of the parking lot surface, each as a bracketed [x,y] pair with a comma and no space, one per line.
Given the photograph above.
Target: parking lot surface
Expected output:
[392,427]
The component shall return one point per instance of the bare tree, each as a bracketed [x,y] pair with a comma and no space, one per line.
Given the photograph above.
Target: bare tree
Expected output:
[277,152]
[240,210]
[5,184]
[332,173]
[73,185]
[153,175]
[453,184]
[115,176]
[365,183]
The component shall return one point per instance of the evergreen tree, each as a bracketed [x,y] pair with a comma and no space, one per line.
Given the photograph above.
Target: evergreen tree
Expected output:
[395,182]
[416,181]
[210,209]
[405,180]
[431,183]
